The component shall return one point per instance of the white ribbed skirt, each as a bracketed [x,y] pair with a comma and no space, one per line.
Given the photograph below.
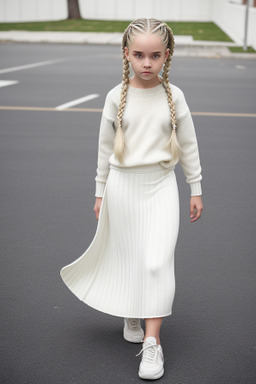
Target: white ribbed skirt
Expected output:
[128,270]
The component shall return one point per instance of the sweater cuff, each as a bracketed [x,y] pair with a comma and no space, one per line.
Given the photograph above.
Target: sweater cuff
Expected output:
[196,189]
[100,187]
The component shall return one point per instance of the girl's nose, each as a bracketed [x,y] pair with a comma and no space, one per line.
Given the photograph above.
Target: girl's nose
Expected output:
[147,63]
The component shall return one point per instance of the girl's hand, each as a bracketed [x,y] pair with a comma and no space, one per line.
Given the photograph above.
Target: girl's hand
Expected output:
[97,206]
[196,208]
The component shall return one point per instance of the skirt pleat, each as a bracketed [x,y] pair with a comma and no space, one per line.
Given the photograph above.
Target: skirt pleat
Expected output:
[128,270]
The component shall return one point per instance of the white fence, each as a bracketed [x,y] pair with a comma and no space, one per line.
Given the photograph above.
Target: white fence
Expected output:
[32,10]
[230,17]
[40,10]
[186,10]
[227,14]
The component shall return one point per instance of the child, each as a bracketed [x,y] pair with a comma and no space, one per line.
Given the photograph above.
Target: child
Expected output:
[146,127]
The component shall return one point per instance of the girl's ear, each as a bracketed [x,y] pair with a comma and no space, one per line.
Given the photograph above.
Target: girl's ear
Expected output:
[167,52]
[127,53]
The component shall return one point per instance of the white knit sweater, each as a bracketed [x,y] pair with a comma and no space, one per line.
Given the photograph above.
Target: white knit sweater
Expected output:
[146,126]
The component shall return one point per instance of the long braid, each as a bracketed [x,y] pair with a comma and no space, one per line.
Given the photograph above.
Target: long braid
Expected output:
[173,142]
[119,137]
[153,26]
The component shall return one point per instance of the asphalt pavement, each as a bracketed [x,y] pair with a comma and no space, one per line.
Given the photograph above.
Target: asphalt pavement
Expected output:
[47,169]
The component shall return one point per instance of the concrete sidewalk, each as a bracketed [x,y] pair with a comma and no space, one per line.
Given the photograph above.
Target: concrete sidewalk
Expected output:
[184,45]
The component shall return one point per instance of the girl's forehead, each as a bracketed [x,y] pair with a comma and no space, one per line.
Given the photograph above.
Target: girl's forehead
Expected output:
[146,42]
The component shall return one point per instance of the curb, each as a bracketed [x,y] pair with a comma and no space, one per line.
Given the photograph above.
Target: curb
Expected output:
[184,45]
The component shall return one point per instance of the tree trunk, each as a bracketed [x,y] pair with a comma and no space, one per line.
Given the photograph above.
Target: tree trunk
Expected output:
[73,9]
[254,2]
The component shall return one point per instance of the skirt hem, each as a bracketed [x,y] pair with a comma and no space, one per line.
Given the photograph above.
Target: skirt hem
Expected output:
[125,316]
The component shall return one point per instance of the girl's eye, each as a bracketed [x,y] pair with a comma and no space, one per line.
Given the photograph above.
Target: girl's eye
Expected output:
[156,56]
[138,55]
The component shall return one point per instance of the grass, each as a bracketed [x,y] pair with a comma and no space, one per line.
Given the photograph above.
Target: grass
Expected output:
[241,50]
[199,30]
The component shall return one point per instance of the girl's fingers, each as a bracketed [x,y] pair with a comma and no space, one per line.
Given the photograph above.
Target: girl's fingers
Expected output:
[195,212]
[196,208]
[197,215]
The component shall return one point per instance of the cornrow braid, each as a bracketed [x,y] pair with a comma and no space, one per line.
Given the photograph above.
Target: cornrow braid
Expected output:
[160,28]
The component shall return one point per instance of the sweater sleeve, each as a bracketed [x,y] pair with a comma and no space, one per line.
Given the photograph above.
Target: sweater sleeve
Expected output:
[189,156]
[105,145]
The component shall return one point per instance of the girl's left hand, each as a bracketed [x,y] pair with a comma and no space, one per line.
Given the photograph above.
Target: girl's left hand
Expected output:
[196,208]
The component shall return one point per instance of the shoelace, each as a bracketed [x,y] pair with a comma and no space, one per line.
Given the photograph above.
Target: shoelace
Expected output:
[150,352]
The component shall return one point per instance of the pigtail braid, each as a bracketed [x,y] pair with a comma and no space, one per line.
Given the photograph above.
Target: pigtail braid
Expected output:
[119,142]
[173,142]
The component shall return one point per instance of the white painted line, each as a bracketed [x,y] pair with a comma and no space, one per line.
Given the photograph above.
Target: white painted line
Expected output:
[240,67]
[5,83]
[27,66]
[77,101]
[51,109]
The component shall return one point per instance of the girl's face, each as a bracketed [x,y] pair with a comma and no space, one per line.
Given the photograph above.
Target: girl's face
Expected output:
[147,56]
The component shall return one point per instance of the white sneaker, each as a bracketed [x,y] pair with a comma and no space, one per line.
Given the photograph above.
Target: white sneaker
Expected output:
[133,331]
[152,363]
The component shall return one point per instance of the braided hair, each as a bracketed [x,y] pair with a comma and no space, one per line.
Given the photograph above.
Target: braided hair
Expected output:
[161,29]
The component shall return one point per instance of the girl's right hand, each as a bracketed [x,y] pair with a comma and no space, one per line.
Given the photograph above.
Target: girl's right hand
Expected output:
[97,206]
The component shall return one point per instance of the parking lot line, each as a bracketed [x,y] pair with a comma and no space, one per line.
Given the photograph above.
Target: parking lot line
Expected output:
[28,66]
[28,108]
[6,83]
[77,101]
[223,114]
[20,108]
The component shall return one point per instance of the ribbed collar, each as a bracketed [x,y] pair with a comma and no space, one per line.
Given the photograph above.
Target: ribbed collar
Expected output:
[146,91]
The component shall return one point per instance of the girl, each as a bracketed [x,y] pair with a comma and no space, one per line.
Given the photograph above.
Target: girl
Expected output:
[146,127]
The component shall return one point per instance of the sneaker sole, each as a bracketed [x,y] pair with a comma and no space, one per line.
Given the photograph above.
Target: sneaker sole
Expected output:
[150,377]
